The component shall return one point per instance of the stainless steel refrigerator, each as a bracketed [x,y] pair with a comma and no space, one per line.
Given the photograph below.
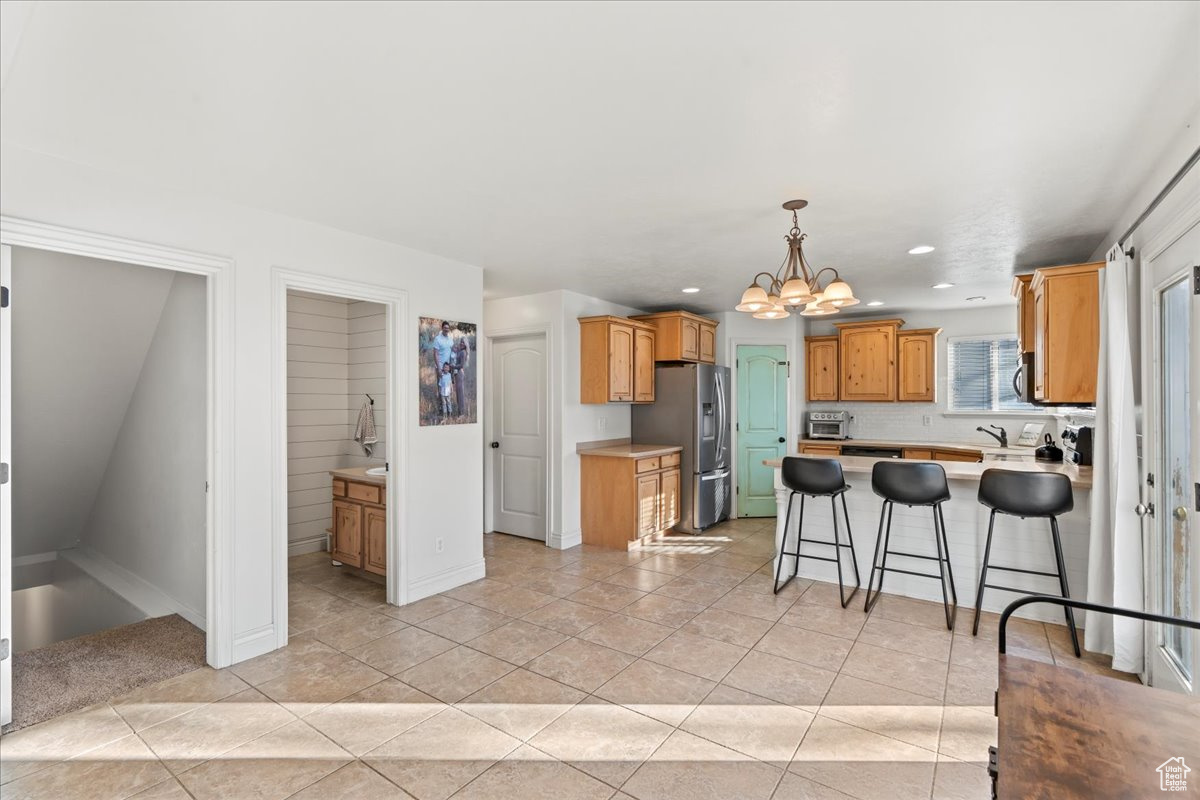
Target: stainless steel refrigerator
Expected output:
[691,408]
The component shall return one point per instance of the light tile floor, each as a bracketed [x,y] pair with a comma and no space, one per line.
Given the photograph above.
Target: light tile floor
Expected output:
[670,672]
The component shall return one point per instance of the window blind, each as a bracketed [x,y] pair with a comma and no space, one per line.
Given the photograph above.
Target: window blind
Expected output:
[981,373]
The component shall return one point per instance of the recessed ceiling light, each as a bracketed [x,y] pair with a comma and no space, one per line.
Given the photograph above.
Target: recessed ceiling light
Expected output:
[691,290]
[975,298]
[942,285]
[920,250]
[875,303]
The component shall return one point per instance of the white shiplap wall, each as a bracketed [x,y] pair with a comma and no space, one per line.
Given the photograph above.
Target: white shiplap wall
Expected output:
[336,351]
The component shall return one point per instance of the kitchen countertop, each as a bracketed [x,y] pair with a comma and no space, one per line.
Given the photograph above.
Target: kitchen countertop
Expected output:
[631,450]
[987,449]
[358,474]
[1081,477]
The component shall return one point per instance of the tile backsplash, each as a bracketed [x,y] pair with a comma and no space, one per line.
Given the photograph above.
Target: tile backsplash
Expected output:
[905,422]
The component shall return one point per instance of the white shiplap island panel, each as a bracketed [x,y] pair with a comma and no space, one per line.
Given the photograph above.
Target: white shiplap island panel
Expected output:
[1026,544]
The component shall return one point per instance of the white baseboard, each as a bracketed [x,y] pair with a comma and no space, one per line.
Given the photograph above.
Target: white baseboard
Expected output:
[312,544]
[254,643]
[445,580]
[565,541]
[147,597]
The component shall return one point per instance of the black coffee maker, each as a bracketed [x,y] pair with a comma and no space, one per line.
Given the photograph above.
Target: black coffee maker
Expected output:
[1049,451]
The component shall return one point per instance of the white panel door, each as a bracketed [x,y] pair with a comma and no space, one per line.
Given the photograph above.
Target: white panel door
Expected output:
[519,442]
[1173,562]
[6,648]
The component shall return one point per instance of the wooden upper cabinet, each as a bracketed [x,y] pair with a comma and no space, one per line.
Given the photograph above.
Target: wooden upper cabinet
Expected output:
[867,360]
[708,343]
[643,365]
[916,354]
[682,336]
[1025,307]
[611,350]
[1066,333]
[821,368]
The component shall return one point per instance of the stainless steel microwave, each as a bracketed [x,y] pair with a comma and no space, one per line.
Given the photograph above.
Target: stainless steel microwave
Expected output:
[827,424]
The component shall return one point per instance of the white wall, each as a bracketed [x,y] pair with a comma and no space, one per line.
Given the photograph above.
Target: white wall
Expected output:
[81,329]
[905,421]
[571,421]
[149,515]
[38,187]
[367,374]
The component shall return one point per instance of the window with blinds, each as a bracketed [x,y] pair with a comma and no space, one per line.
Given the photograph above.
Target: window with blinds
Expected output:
[980,374]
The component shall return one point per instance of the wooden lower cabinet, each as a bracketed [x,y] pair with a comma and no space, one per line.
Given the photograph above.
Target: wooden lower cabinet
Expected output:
[347,533]
[921,454]
[821,450]
[624,500]
[359,532]
[972,456]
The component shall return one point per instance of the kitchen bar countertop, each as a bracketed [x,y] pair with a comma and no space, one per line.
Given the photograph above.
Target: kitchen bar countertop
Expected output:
[1081,477]
[988,450]
[627,450]
[358,474]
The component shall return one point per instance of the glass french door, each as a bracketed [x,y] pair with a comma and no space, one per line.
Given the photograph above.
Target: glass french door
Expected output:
[1173,563]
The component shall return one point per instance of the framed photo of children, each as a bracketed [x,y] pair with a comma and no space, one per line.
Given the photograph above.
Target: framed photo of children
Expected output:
[446,372]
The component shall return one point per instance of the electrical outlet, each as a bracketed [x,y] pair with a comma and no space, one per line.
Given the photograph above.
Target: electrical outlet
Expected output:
[926,420]
[439,544]
[601,424]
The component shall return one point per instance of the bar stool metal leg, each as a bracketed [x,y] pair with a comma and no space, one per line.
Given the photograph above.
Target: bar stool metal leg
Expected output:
[987,554]
[944,562]
[1062,581]
[877,565]
[787,528]
[850,538]
[946,547]
[837,543]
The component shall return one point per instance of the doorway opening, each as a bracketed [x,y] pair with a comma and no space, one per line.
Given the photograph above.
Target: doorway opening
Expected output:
[106,423]
[337,459]
[517,370]
[762,376]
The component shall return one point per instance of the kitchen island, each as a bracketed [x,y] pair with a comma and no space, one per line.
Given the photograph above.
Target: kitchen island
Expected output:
[1024,544]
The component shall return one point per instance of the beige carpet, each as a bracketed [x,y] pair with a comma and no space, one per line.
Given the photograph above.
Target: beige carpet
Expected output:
[76,673]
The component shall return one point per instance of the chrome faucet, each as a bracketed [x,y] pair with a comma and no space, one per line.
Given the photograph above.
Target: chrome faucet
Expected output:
[1002,438]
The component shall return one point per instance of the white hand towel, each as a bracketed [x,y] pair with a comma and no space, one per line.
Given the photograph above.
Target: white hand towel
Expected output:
[364,432]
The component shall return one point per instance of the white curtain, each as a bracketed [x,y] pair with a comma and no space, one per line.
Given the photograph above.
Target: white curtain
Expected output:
[1115,555]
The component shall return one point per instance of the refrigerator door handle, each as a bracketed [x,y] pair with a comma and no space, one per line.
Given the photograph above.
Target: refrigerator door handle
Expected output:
[715,476]
[721,412]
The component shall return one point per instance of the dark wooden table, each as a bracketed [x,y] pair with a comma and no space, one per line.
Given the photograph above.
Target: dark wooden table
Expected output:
[1065,735]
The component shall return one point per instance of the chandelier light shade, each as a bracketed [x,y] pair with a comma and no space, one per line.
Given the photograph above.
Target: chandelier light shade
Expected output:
[795,283]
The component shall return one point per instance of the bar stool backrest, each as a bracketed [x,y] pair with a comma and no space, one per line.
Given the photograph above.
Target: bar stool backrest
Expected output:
[1026,494]
[813,476]
[910,484]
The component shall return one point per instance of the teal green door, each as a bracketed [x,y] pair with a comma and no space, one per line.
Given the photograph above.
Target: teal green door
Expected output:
[762,377]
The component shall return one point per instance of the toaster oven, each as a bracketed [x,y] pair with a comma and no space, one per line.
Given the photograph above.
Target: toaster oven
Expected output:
[827,424]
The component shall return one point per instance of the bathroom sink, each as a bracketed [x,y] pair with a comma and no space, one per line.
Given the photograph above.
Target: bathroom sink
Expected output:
[377,472]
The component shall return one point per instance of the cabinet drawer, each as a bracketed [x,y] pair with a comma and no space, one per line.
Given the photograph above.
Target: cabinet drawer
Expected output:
[339,488]
[671,460]
[919,453]
[366,492]
[647,465]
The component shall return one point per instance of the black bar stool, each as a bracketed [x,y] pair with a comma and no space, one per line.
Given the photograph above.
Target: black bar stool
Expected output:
[816,477]
[1039,495]
[912,484]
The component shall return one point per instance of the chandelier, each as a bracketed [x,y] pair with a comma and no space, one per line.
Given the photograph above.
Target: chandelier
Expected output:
[795,284]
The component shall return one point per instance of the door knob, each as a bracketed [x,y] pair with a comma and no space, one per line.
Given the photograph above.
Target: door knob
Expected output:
[782,440]
[1142,509]
[495,445]
[1180,513]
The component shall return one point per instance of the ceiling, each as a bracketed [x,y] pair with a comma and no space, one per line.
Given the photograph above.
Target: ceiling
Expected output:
[628,150]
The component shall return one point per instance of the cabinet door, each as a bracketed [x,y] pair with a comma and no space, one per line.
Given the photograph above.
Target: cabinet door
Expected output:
[825,450]
[648,487]
[643,366]
[1025,322]
[375,536]
[669,512]
[821,381]
[708,344]
[868,363]
[347,533]
[689,339]
[915,352]
[620,363]
[1041,325]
